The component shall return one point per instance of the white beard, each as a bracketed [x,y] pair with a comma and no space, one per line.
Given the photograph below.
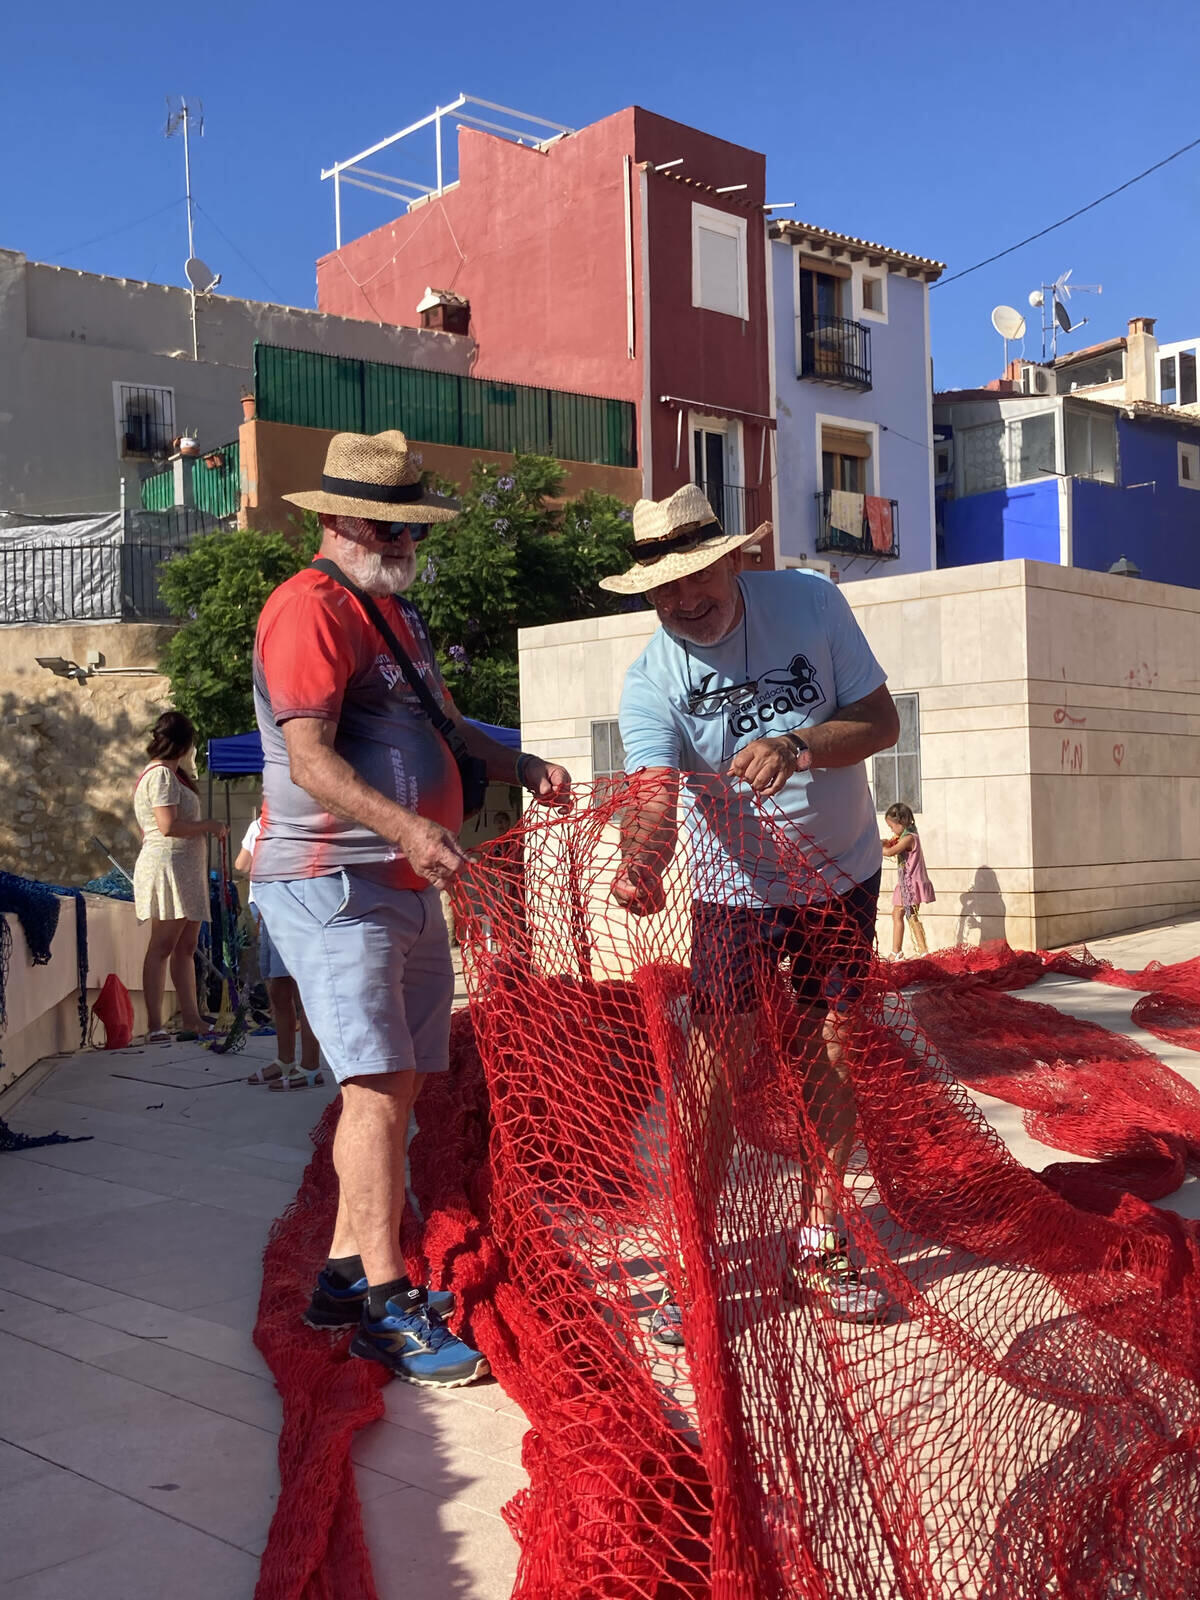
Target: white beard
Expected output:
[378,574]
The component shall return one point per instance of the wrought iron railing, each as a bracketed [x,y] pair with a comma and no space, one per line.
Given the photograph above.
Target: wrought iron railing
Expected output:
[113,579]
[737,506]
[879,544]
[147,420]
[838,351]
[312,390]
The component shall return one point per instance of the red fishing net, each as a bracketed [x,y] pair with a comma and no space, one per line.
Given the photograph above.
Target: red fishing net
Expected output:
[733,1110]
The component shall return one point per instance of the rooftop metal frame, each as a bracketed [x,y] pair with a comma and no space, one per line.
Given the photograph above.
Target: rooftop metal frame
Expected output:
[541,133]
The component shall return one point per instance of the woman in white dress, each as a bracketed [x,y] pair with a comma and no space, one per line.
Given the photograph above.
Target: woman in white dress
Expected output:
[170,880]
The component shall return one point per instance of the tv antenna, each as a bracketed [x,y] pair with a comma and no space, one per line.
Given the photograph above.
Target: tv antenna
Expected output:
[1009,324]
[1051,299]
[184,117]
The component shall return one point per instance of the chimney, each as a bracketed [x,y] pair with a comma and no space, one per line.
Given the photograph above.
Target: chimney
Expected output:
[1141,358]
[445,312]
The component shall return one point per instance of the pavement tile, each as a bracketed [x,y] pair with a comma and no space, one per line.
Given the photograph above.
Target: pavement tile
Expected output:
[42,1196]
[442,1548]
[44,1391]
[170,1560]
[20,1466]
[189,1377]
[60,1330]
[154,1239]
[209,1471]
[178,1330]
[175,1177]
[448,1471]
[32,1282]
[54,1516]
[477,1427]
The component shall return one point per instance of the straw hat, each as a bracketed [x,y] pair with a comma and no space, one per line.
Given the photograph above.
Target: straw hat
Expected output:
[674,537]
[374,475]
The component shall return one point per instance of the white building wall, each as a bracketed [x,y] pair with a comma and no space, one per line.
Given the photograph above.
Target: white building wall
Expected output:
[67,337]
[1060,738]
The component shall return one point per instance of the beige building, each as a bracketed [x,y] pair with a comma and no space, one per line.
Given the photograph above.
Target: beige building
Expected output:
[1051,742]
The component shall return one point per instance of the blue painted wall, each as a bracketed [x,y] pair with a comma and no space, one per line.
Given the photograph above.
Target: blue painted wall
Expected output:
[1158,528]
[1021,523]
[898,400]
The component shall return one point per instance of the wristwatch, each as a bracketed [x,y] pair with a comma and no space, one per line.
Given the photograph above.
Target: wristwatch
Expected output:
[799,751]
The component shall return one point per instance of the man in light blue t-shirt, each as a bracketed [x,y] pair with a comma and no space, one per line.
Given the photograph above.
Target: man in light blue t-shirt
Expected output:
[757,686]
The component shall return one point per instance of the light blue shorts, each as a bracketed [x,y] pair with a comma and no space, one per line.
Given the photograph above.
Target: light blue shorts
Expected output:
[373,968]
[270,962]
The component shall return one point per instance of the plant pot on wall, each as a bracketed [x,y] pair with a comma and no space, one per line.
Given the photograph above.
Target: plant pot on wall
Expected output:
[248,408]
[189,445]
[214,459]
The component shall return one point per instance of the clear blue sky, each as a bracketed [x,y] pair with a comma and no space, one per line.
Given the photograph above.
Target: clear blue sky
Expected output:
[949,131]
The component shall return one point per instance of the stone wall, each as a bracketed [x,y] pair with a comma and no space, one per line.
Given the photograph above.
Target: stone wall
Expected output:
[70,753]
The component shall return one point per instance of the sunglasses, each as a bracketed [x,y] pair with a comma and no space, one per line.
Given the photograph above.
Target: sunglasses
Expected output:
[700,704]
[390,532]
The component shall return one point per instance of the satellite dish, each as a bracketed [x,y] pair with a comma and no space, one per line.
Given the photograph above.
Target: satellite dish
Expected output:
[200,275]
[1008,322]
[1036,298]
[1061,317]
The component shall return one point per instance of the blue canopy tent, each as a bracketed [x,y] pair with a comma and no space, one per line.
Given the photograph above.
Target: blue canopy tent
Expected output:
[241,754]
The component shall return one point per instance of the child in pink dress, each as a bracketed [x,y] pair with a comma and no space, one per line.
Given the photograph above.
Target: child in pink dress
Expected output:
[913,888]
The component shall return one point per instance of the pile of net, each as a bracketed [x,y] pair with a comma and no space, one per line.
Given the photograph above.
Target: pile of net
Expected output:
[629,1118]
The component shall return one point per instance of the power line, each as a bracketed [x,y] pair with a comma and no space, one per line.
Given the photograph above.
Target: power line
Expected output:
[112,232]
[1091,206]
[275,294]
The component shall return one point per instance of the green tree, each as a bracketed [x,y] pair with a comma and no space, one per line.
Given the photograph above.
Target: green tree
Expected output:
[219,586]
[517,557]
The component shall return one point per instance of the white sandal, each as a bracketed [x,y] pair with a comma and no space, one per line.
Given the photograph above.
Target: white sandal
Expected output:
[272,1073]
[296,1078]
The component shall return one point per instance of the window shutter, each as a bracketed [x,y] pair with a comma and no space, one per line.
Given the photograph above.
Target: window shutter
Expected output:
[845,442]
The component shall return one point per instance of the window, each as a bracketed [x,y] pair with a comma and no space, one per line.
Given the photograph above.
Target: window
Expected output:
[844,457]
[1187,377]
[1189,466]
[719,262]
[874,296]
[996,454]
[1167,392]
[1091,445]
[897,772]
[608,753]
[145,419]
[1108,368]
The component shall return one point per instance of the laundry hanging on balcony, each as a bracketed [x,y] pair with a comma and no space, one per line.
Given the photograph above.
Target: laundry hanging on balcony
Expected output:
[846,512]
[879,524]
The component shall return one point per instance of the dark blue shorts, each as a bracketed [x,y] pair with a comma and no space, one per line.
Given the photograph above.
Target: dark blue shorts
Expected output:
[734,947]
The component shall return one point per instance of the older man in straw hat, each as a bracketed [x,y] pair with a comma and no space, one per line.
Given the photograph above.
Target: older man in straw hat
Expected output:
[363,783]
[758,686]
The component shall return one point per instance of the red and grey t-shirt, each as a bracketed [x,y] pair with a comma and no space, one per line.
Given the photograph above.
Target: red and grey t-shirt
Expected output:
[317,654]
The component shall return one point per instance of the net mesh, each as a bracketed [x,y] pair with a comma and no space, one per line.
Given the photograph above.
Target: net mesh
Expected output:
[912,1367]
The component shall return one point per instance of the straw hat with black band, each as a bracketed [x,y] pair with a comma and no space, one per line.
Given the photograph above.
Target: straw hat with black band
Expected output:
[673,538]
[373,475]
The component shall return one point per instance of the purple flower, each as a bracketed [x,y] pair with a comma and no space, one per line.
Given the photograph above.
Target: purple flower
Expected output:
[429,571]
[500,525]
[507,484]
[488,500]
[457,653]
[624,515]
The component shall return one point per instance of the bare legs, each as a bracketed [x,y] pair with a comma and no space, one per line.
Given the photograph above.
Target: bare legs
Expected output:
[287,1014]
[368,1156]
[897,930]
[172,944]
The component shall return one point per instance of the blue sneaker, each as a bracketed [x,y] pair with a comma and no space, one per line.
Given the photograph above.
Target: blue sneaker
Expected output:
[333,1307]
[415,1344]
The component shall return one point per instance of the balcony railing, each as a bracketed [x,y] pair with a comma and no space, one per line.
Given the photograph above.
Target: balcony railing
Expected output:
[837,351]
[737,506]
[312,390]
[113,578]
[861,541]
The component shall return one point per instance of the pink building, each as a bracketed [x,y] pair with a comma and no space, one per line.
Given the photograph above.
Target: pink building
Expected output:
[625,260]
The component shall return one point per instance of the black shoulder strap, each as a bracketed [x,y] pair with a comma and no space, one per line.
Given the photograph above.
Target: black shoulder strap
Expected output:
[430,706]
